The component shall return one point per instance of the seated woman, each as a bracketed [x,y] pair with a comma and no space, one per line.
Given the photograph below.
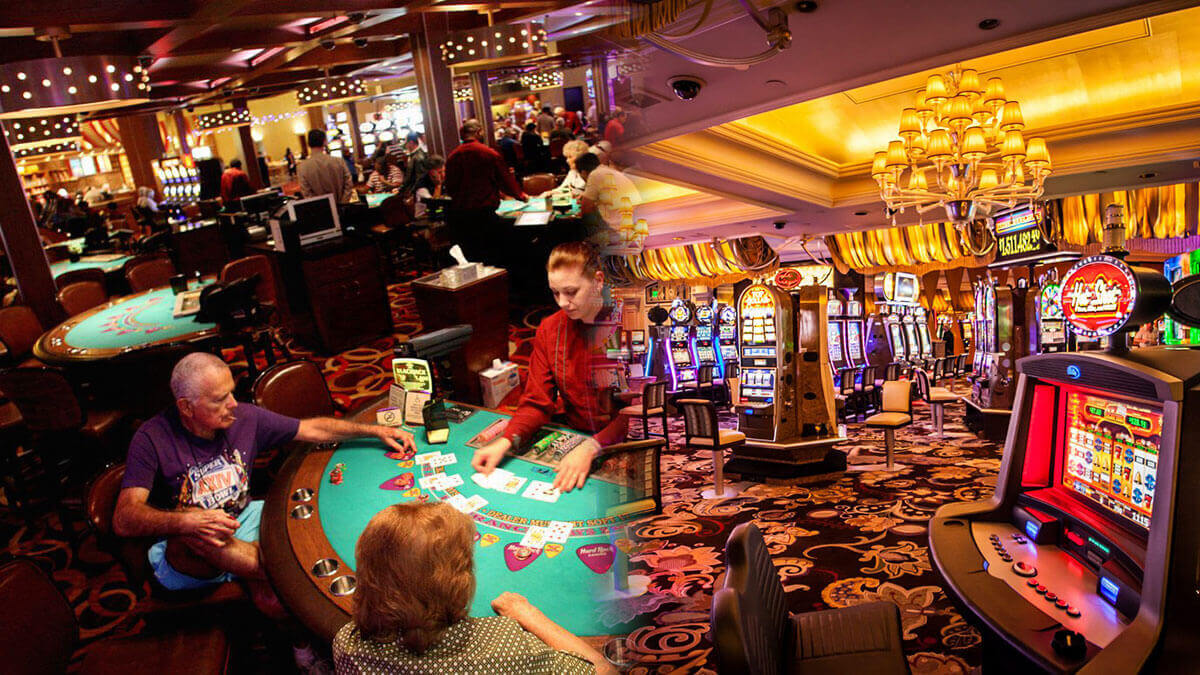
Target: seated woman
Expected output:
[381,180]
[415,584]
[573,184]
[566,346]
[429,186]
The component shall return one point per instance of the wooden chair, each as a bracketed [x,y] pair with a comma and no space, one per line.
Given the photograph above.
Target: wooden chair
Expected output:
[81,296]
[895,412]
[19,331]
[847,396]
[634,467]
[867,389]
[754,633]
[149,274]
[936,397]
[654,404]
[49,634]
[537,183]
[701,430]
[86,274]
[296,389]
[703,382]
[266,291]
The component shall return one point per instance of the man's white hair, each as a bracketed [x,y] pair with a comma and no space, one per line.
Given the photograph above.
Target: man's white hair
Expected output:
[189,372]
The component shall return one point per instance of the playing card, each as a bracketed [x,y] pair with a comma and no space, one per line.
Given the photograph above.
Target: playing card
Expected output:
[481,480]
[427,457]
[508,485]
[535,537]
[541,491]
[443,460]
[429,482]
[459,502]
[476,502]
[451,480]
[558,531]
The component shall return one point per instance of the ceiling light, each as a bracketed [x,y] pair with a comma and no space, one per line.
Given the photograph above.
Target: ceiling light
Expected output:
[223,119]
[29,132]
[989,24]
[330,91]
[70,84]
[492,45]
[806,6]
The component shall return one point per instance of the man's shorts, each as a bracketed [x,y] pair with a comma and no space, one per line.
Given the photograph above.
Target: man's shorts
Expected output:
[174,580]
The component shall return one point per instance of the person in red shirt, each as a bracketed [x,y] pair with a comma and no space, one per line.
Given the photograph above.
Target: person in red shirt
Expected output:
[614,131]
[566,346]
[476,176]
[235,184]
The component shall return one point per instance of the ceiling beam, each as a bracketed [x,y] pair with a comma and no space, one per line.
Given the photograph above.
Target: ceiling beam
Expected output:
[210,13]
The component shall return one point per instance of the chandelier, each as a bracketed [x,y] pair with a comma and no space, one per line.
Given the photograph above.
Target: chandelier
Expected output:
[961,147]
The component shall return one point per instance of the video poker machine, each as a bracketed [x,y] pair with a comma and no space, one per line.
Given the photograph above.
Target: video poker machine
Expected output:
[836,338]
[855,335]
[727,336]
[637,344]
[1085,558]
[706,353]
[920,318]
[895,337]
[682,361]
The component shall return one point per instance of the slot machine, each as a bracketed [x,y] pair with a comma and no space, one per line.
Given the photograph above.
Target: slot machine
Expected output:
[855,338]
[923,336]
[1183,265]
[836,342]
[895,338]
[727,336]
[680,347]
[968,334]
[1006,340]
[766,398]
[706,353]
[1084,558]
[1051,326]
[637,344]
[911,341]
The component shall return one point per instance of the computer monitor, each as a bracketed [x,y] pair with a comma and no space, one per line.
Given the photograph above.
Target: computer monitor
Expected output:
[263,201]
[315,219]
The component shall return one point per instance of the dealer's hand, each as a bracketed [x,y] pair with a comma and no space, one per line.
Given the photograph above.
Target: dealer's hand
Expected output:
[574,468]
[488,457]
[396,438]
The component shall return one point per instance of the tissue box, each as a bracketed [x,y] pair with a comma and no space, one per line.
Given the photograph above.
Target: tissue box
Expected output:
[497,381]
[460,274]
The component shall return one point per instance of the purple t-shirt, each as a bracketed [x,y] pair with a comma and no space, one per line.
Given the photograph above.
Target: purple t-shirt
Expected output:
[182,469]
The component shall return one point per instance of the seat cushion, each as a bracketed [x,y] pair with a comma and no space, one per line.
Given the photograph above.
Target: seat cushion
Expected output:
[100,422]
[888,419]
[942,395]
[10,417]
[201,650]
[859,639]
[638,411]
[725,437]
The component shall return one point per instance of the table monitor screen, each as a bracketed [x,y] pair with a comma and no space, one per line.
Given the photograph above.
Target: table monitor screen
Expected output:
[1111,456]
[316,218]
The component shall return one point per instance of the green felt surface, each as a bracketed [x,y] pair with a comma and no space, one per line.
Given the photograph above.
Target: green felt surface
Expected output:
[68,266]
[376,198]
[134,321]
[561,586]
[513,207]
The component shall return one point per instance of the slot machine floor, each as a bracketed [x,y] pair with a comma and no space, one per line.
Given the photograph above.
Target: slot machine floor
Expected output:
[1084,559]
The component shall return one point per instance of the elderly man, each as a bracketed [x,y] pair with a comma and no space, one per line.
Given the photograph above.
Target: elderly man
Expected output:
[187,478]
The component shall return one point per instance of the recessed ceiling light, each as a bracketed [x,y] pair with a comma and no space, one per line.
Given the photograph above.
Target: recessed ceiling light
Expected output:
[1148,175]
[806,6]
[989,24]
[861,213]
[776,83]
[676,238]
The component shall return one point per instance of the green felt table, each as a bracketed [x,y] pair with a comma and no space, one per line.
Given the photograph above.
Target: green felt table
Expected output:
[374,199]
[511,208]
[125,324]
[86,262]
[557,579]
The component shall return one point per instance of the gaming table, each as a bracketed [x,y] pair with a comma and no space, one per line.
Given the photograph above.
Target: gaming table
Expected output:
[310,526]
[105,262]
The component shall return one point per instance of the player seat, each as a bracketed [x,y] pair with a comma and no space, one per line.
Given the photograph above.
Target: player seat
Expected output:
[701,430]
[936,397]
[754,633]
[895,412]
[146,274]
[81,296]
[654,404]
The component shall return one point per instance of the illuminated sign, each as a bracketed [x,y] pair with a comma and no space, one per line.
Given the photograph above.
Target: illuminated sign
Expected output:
[1098,296]
[788,278]
[1018,235]
[680,312]
[899,288]
[1050,302]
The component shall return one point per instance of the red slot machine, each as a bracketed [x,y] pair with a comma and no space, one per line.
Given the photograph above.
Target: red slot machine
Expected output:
[1085,557]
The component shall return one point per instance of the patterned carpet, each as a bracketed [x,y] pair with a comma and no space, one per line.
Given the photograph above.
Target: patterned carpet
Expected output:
[836,543]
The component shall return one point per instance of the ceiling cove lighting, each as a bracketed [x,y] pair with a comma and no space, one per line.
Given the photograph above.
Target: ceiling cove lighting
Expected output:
[542,80]
[330,90]
[490,45]
[44,150]
[29,132]
[71,84]
[223,119]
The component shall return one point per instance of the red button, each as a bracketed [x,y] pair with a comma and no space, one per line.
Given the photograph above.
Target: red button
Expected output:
[1040,588]
[1060,603]
[1032,582]
[1051,596]
[1071,611]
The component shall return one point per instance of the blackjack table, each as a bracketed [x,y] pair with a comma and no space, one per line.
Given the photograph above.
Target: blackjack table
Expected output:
[324,497]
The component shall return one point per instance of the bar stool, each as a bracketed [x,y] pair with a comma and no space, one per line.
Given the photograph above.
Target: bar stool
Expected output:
[654,404]
[700,429]
[868,390]
[847,396]
[896,413]
[937,398]
[704,381]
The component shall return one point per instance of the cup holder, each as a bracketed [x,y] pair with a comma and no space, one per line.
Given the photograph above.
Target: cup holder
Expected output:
[301,511]
[302,495]
[343,585]
[325,567]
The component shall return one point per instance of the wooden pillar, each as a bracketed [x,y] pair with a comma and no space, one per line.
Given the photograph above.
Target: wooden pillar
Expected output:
[482,98]
[599,69]
[249,153]
[355,135]
[434,84]
[143,145]
[181,129]
[24,249]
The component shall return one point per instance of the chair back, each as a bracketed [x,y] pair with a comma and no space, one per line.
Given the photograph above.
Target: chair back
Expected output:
[556,148]
[922,379]
[19,329]
[81,296]
[749,615]
[86,274]
[704,376]
[891,373]
[654,395]
[396,211]
[634,467]
[57,254]
[699,419]
[868,376]
[536,184]
[731,369]
[938,369]
[897,396]
[42,632]
[296,389]
[45,399]
[243,268]
[148,274]
[961,368]
[846,381]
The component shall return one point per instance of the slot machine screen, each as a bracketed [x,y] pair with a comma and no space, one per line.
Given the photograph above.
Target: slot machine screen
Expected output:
[637,341]
[835,342]
[854,341]
[897,341]
[1111,457]
[914,347]
[679,345]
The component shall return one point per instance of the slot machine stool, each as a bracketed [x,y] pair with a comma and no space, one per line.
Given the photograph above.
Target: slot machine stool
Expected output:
[937,398]
[896,412]
[700,429]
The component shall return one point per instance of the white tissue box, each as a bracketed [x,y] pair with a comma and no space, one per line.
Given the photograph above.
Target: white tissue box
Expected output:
[496,382]
[460,274]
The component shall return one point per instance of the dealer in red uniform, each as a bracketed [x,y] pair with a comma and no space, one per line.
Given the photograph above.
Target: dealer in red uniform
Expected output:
[566,347]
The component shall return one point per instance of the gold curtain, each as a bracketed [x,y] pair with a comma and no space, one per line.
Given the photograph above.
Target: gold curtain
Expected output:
[710,263]
[1160,212]
[924,248]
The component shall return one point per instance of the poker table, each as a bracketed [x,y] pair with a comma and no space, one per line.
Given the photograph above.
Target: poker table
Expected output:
[511,208]
[124,325]
[107,263]
[374,199]
[310,526]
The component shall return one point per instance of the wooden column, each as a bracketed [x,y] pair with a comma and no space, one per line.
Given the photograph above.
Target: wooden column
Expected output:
[181,129]
[482,98]
[316,120]
[143,145]
[599,69]
[355,135]
[434,84]
[24,249]
[249,153]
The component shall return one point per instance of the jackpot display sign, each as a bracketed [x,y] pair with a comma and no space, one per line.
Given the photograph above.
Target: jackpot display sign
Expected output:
[1098,296]
[1018,235]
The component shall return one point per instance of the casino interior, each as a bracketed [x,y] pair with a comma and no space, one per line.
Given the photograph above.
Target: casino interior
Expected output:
[901,347]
